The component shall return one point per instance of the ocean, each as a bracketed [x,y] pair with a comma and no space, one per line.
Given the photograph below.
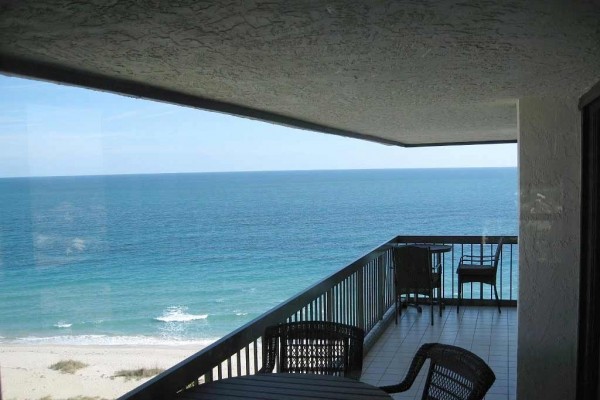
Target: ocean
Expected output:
[186,258]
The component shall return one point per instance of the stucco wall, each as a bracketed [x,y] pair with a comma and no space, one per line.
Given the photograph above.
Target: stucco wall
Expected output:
[549,173]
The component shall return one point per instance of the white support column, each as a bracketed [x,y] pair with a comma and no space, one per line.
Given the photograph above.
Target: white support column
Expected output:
[549,231]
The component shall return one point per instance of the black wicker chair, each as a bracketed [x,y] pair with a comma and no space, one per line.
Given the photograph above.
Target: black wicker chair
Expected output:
[479,269]
[414,275]
[454,374]
[314,347]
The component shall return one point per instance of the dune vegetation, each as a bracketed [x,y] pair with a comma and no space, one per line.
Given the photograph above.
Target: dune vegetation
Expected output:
[137,373]
[68,366]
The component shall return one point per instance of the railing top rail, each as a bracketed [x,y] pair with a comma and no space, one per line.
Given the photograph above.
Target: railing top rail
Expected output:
[455,239]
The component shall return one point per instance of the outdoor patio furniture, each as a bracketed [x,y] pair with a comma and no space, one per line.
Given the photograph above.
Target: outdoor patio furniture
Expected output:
[454,373]
[479,269]
[414,275]
[316,347]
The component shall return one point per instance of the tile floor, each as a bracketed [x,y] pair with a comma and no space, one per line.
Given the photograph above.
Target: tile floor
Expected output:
[482,330]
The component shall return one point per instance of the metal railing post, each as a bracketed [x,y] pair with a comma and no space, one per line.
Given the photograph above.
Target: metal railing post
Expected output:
[360,291]
[329,305]
[380,287]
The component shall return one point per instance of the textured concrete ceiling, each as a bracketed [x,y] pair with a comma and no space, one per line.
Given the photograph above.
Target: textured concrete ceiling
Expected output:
[406,72]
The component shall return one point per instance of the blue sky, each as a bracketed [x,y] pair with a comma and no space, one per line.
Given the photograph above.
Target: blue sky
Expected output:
[48,130]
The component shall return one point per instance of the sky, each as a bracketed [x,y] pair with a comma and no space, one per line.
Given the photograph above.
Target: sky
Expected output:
[48,129]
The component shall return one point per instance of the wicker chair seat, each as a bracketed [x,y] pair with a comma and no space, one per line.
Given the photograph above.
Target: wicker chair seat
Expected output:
[474,269]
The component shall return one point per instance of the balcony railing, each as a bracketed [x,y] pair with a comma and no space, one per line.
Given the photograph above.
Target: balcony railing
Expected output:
[360,294]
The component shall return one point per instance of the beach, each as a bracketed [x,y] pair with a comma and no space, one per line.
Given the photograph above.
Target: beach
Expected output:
[25,372]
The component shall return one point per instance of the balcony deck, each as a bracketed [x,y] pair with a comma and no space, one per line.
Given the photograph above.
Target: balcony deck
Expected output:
[482,330]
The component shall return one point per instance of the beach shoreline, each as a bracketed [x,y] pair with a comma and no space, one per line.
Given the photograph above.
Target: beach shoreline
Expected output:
[25,372]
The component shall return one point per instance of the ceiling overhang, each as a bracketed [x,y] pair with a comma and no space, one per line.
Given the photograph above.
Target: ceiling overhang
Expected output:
[404,73]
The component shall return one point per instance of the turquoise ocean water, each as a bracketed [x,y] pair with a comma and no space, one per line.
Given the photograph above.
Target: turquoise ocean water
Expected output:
[186,258]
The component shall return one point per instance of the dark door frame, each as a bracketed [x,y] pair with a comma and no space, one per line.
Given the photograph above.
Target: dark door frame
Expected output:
[588,352]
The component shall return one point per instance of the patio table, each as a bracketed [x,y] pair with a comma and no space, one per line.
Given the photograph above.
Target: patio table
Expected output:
[285,386]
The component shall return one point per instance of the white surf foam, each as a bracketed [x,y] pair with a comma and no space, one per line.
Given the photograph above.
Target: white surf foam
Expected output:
[105,340]
[179,314]
[78,244]
[62,324]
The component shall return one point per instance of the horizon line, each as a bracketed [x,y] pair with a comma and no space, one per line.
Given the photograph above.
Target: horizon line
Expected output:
[251,171]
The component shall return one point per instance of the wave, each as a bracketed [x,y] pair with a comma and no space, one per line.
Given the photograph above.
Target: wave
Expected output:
[178,314]
[78,244]
[61,324]
[106,340]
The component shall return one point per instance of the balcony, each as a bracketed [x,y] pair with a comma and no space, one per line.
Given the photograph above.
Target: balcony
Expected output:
[362,294]
[482,330]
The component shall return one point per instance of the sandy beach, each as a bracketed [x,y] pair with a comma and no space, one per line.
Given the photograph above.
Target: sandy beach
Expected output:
[25,372]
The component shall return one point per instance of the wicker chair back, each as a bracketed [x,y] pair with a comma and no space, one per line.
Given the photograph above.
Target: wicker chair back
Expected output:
[316,347]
